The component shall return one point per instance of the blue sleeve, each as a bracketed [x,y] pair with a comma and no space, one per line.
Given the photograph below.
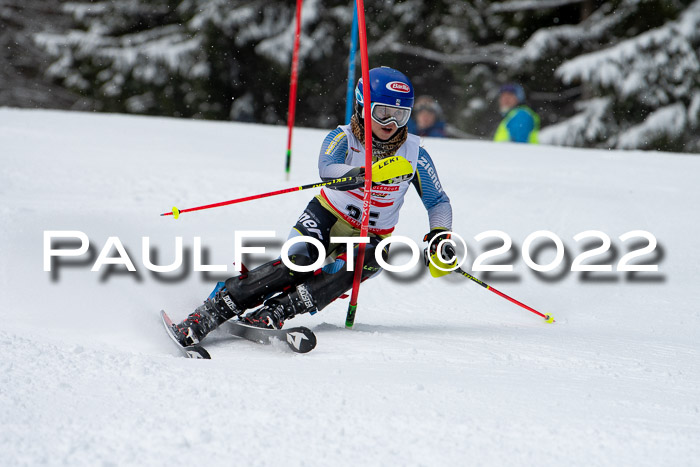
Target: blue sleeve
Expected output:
[412,127]
[331,160]
[520,126]
[438,130]
[434,198]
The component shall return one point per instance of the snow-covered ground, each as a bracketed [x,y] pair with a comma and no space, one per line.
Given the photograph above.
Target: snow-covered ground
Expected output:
[435,372]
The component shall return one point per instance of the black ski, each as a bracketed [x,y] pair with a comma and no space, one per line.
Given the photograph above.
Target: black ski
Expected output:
[191,351]
[299,339]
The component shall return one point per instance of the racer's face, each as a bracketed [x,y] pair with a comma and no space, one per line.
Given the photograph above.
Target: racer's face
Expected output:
[384,132]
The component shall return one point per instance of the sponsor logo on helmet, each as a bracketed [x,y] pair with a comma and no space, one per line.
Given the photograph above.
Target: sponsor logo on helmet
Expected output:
[398,86]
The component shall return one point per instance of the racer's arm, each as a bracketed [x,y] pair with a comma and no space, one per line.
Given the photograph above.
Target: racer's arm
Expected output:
[331,160]
[434,198]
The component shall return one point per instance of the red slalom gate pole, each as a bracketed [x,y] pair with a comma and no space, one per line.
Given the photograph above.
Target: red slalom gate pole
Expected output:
[293,90]
[364,226]
[548,318]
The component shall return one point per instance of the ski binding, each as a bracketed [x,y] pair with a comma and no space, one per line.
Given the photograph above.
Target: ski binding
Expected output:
[190,351]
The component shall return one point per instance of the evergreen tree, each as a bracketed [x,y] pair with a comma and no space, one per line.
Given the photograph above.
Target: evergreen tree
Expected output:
[22,81]
[603,73]
[215,59]
[640,86]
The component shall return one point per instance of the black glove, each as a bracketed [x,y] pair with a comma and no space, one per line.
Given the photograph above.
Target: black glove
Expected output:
[447,251]
[358,173]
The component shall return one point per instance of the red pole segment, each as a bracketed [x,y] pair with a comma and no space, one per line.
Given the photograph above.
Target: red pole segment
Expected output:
[293,89]
[520,303]
[364,226]
[548,318]
[343,181]
[234,201]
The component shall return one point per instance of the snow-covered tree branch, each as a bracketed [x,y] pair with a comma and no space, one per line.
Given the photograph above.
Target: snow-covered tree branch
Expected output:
[614,65]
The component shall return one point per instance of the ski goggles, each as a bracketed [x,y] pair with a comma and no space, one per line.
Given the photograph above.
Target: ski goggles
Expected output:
[386,114]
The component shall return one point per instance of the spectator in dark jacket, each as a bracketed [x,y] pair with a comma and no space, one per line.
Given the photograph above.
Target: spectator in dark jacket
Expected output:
[427,118]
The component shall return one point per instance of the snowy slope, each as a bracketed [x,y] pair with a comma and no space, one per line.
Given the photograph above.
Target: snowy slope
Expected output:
[435,372]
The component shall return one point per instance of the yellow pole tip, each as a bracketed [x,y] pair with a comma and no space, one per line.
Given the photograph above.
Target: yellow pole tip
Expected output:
[549,318]
[176,212]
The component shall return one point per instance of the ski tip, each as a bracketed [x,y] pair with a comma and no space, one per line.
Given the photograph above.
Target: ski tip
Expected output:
[166,318]
[549,318]
[176,212]
[301,339]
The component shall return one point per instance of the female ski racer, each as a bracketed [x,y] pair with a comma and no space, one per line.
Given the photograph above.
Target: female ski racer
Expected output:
[335,212]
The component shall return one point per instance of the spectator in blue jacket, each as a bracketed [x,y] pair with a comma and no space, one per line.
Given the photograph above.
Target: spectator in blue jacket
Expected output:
[427,118]
[520,123]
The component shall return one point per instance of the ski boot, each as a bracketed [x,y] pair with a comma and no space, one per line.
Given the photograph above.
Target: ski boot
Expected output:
[251,288]
[313,295]
[238,294]
[282,307]
[215,310]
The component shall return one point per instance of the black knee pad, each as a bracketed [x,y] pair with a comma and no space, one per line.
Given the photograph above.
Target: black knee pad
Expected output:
[252,288]
[316,222]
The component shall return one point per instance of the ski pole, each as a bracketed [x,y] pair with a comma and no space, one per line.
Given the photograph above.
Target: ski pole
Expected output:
[548,318]
[348,181]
